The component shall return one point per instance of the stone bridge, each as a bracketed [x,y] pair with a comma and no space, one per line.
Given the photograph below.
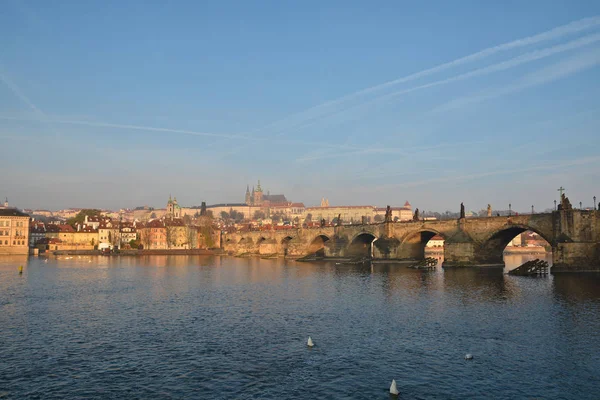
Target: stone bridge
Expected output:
[573,234]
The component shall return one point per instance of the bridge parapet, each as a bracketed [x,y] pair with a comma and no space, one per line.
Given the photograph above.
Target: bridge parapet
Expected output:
[573,234]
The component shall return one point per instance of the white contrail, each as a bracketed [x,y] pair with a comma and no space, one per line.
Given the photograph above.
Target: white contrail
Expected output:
[19,93]
[552,34]
[184,132]
[542,167]
[501,66]
[155,129]
[542,76]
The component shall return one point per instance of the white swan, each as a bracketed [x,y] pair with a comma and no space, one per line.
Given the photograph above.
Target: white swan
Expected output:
[394,388]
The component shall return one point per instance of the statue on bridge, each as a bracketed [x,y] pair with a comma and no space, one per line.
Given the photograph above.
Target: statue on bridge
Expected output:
[388,214]
[565,204]
[322,222]
[339,220]
[489,210]
[462,210]
[416,216]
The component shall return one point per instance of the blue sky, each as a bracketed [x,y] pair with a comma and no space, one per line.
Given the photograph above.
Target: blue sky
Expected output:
[117,104]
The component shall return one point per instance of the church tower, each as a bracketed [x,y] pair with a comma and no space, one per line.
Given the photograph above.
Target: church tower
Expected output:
[258,195]
[248,200]
[170,207]
[176,209]
[173,209]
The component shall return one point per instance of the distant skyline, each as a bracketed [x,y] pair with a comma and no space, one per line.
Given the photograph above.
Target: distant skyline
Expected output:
[119,104]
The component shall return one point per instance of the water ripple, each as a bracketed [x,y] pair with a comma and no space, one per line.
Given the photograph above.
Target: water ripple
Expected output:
[211,328]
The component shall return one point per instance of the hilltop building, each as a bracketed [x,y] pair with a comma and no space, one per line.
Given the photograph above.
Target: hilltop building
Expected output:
[257,198]
[356,214]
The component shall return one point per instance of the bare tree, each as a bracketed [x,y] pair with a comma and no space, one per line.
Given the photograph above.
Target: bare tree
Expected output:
[113,237]
[191,235]
[146,237]
[170,235]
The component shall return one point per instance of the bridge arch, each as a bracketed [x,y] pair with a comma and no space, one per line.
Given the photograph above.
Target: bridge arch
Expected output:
[245,240]
[317,245]
[494,244]
[361,245]
[414,243]
[285,244]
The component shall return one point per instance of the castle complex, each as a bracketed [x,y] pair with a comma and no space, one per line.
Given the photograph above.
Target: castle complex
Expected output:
[257,198]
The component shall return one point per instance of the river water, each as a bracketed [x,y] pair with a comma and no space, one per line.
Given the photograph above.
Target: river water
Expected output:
[175,327]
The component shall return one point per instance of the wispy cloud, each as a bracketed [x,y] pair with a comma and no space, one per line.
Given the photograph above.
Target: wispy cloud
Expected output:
[197,133]
[501,66]
[561,69]
[406,151]
[19,93]
[328,108]
[444,179]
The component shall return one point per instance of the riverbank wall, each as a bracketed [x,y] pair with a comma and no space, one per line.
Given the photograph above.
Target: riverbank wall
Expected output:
[134,253]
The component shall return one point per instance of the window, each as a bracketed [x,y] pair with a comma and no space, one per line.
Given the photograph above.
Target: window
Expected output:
[13,242]
[6,242]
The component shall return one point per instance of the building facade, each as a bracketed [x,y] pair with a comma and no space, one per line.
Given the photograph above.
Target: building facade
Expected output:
[14,232]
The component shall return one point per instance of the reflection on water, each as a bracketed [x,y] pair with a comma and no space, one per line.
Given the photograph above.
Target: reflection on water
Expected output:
[209,327]
[511,261]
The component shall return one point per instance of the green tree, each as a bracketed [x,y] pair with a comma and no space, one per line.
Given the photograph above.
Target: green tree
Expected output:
[80,217]
[224,215]
[259,214]
[308,217]
[236,215]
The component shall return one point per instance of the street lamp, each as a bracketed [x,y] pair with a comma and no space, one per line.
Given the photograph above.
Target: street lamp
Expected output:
[532,210]
[594,202]
[509,209]
[554,205]
[580,207]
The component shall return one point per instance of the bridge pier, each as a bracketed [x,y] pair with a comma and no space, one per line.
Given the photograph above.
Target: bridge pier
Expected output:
[575,257]
[573,234]
[459,254]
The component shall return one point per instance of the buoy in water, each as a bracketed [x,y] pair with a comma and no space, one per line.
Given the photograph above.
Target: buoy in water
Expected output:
[468,356]
[20,269]
[394,388]
[310,342]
